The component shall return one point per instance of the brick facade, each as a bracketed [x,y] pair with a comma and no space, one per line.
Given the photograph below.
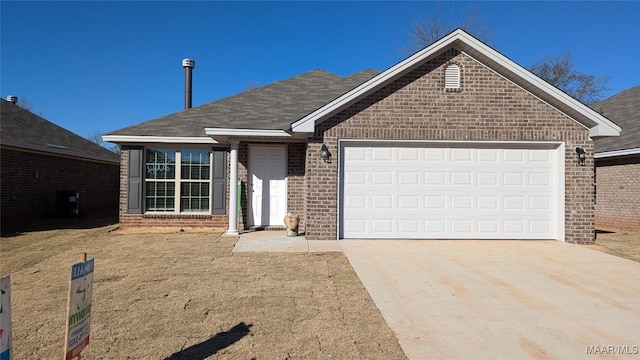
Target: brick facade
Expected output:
[618,193]
[131,220]
[416,107]
[30,181]
[295,194]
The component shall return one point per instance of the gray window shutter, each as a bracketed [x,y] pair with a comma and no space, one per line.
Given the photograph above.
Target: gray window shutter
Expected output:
[135,180]
[219,182]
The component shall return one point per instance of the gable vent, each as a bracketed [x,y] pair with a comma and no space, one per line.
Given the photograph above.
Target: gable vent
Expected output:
[452,77]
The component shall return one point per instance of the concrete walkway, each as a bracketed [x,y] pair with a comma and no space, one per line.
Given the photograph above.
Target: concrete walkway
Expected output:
[502,299]
[278,241]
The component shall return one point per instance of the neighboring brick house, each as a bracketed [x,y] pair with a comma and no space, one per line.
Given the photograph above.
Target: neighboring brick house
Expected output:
[618,164]
[45,167]
[454,142]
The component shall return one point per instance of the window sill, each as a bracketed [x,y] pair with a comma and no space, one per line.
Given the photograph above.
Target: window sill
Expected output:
[176,216]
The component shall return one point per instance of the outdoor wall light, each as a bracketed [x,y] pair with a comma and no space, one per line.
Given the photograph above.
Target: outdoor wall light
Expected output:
[582,157]
[325,154]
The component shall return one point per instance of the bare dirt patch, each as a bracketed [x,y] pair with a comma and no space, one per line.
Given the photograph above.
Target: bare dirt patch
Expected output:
[185,295]
[621,243]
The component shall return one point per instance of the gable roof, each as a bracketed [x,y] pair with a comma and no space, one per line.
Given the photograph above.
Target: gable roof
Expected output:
[271,108]
[624,109]
[597,124]
[23,129]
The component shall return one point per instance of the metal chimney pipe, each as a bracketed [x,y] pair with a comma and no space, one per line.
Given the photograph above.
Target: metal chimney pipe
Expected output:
[12,98]
[188,66]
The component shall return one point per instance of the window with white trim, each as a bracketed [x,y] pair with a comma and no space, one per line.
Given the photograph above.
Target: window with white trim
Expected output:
[178,181]
[452,77]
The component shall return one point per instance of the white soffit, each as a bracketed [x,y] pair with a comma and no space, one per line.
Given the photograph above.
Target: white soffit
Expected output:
[475,48]
[246,132]
[159,139]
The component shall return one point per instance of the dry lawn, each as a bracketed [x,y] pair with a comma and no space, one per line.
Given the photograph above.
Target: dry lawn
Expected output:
[625,244]
[185,295]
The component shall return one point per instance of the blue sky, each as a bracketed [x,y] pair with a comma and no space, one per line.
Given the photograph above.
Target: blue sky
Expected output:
[100,66]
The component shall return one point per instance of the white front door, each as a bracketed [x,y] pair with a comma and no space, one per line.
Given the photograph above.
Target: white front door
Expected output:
[267,185]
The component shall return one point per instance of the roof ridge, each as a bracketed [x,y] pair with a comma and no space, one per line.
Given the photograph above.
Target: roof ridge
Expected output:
[53,134]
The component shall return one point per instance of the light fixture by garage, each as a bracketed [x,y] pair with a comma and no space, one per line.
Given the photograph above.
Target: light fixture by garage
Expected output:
[325,154]
[582,157]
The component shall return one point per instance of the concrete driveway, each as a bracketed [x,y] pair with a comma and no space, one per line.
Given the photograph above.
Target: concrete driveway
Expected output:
[502,299]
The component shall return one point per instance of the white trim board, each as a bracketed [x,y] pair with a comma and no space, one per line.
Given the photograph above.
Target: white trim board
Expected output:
[614,153]
[246,132]
[158,139]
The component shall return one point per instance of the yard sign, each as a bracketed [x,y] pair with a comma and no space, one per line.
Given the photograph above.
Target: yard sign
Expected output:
[5,318]
[79,311]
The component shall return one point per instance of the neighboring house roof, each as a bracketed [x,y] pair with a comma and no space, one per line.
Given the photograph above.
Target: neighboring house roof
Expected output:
[293,107]
[23,129]
[624,109]
[271,107]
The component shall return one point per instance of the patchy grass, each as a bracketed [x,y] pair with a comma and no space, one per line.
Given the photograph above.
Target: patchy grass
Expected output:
[185,295]
[625,244]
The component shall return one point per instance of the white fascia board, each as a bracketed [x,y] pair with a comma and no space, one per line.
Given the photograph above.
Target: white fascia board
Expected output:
[246,132]
[625,152]
[159,139]
[604,127]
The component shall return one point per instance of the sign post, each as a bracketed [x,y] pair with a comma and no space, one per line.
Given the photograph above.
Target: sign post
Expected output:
[79,308]
[5,318]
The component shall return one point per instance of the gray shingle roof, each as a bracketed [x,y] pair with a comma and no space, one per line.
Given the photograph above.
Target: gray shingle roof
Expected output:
[271,107]
[623,109]
[21,128]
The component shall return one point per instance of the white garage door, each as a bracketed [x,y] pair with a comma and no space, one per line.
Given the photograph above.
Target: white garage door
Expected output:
[450,191]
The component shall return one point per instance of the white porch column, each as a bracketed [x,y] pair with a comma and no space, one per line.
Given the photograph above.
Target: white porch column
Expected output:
[233,188]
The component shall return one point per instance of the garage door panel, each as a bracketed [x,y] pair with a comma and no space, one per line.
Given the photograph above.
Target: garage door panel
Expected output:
[409,155]
[512,179]
[381,202]
[440,192]
[460,155]
[382,154]
[487,179]
[434,178]
[460,178]
[435,156]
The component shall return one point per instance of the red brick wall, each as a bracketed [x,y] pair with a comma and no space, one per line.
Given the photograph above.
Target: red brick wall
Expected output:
[618,194]
[30,181]
[416,107]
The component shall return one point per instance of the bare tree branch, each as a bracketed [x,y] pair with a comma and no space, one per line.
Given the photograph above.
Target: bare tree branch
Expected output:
[560,72]
[250,86]
[24,103]
[436,25]
[96,138]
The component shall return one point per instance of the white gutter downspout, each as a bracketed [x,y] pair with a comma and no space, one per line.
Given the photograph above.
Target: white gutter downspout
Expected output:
[233,188]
